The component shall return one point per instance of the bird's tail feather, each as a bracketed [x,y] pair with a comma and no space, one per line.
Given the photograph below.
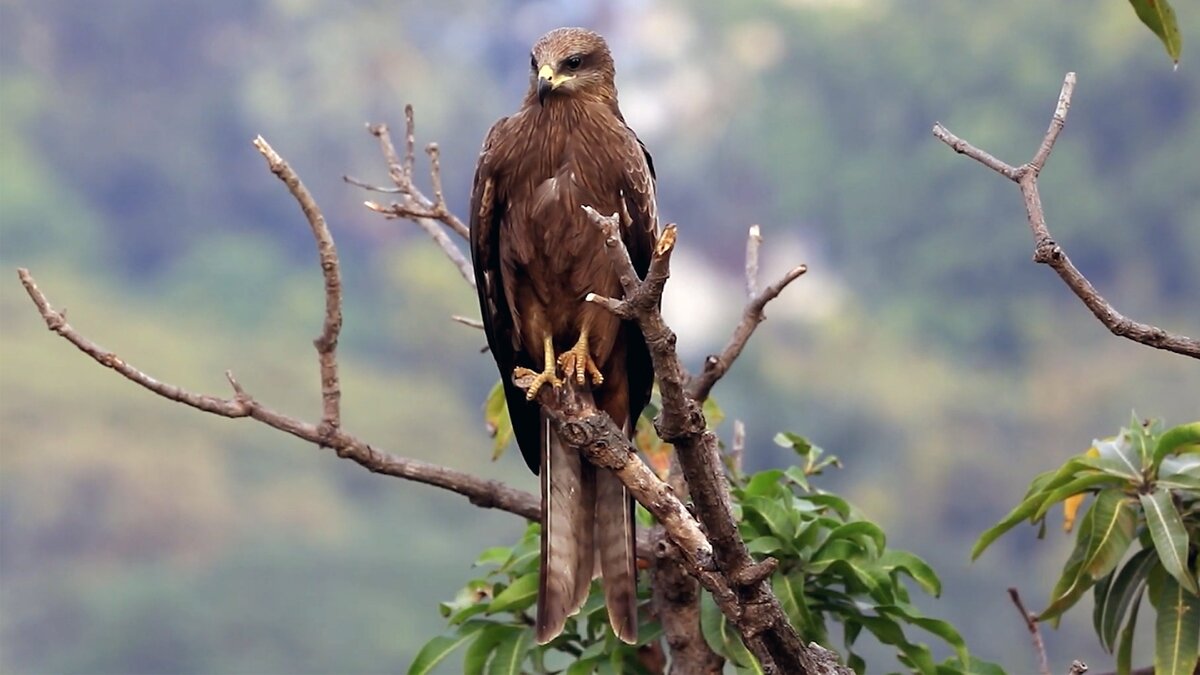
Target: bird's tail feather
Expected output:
[616,555]
[568,551]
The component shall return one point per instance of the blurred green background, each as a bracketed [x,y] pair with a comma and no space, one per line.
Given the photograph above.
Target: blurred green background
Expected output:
[924,347]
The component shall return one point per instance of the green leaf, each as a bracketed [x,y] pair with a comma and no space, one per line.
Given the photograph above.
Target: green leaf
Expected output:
[860,530]
[937,627]
[974,666]
[1117,456]
[1179,481]
[1080,484]
[496,419]
[890,633]
[477,655]
[583,666]
[1125,647]
[519,595]
[764,545]
[712,413]
[1169,536]
[920,571]
[510,654]
[1176,439]
[796,475]
[830,501]
[1104,536]
[1031,503]
[1188,463]
[1126,587]
[493,556]
[1176,625]
[720,636]
[789,588]
[1160,19]
[436,650]
[799,444]
[778,519]
[859,573]
[765,484]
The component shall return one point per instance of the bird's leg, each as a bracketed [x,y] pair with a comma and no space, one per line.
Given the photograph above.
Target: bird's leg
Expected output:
[549,374]
[578,361]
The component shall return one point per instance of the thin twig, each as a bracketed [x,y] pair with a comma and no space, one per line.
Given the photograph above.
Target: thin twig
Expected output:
[1048,252]
[467,321]
[737,447]
[1031,623]
[430,215]
[716,365]
[753,242]
[435,232]
[326,343]
[373,188]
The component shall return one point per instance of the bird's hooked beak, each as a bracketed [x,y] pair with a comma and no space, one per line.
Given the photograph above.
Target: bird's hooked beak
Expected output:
[548,81]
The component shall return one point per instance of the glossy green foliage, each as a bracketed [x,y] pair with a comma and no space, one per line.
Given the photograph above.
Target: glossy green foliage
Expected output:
[834,568]
[1144,487]
[1159,17]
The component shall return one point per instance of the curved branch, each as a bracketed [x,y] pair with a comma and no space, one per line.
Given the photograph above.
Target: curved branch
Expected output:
[481,492]
[326,342]
[1048,252]
[716,365]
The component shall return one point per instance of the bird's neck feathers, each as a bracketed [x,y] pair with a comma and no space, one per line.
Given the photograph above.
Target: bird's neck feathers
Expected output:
[569,109]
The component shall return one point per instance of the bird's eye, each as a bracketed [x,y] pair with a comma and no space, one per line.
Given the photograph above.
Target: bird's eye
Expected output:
[532,61]
[573,62]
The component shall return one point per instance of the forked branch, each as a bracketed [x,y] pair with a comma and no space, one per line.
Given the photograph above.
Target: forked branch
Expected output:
[1049,252]
[752,606]
[430,215]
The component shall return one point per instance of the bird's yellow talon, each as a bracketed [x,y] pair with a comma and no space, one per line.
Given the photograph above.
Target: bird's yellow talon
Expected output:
[578,362]
[548,374]
[539,380]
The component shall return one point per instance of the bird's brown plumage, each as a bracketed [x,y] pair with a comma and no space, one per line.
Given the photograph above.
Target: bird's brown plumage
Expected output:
[536,256]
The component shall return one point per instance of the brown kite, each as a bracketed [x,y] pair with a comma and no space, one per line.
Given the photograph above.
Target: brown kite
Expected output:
[536,256]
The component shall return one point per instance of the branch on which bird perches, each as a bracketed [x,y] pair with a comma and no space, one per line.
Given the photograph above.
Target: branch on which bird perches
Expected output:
[766,631]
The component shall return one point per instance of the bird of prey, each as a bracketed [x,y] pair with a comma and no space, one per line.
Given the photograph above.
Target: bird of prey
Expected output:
[536,256]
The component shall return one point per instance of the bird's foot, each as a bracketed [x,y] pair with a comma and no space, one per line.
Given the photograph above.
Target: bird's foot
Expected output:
[578,362]
[548,376]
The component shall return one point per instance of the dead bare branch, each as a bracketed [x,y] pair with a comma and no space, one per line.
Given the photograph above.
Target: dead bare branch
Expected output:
[326,342]
[716,365]
[752,606]
[593,433]
[1031,624]
[481,492]
[431,215]
[1047,251]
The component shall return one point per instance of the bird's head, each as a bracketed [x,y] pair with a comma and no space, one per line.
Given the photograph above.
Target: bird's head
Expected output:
[571,62]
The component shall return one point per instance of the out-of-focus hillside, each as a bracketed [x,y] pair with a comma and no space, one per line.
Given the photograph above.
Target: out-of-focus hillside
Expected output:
[925,348]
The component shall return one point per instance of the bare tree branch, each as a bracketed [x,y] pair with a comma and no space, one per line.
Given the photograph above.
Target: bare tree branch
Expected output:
[753,242]
[753,609]
[481,492]
[1047,251]
[326,342]
[677,599]
[429,214]
[715,366]
[585,428]
[1031,624]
